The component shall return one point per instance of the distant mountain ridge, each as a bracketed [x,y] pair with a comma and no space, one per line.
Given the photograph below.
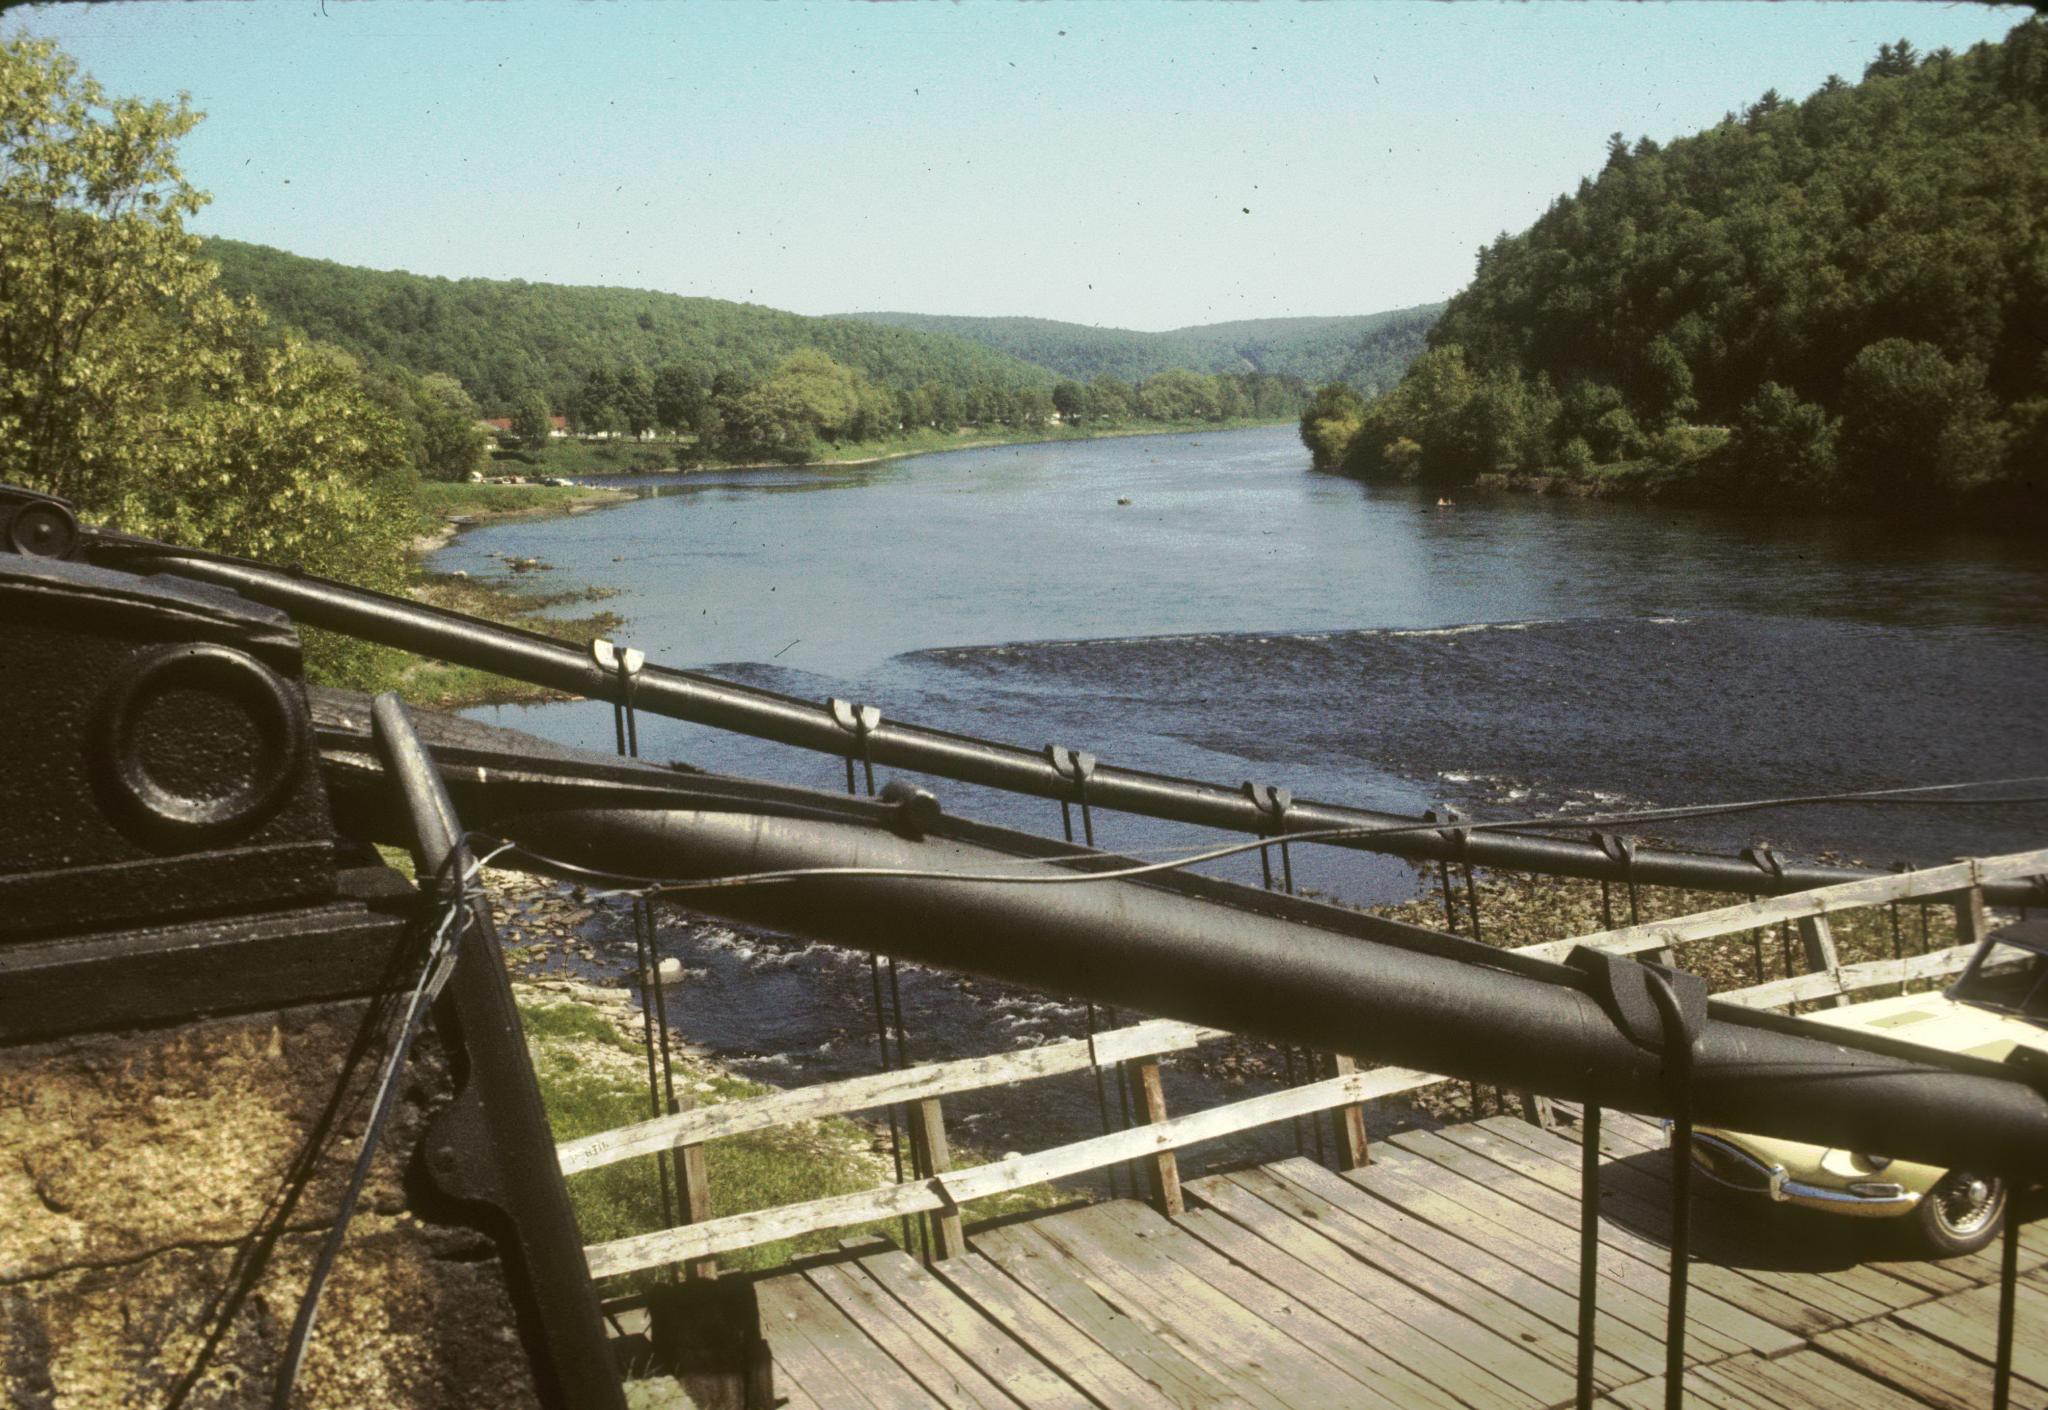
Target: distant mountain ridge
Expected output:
[1369,351]
[504,338]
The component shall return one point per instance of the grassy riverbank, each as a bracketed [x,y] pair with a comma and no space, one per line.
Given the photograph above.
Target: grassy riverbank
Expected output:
[588,1052]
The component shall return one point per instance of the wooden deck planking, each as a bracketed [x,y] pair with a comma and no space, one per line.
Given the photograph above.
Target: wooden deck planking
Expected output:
[1119,1373]
[1154,1358]
[1884,1282]
[1425,1372]
[1240,1341]
[1632,1290]
[1294,1212]
[948,1377]
[1725,1298]
[1203,1335]
[1929,1370]
[1018,1368]
[1637,1193]
[1442,1276]
[1956,1273]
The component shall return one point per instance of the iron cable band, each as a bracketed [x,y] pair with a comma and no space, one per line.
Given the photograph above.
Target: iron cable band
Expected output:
[1079,766]
[1680,1034]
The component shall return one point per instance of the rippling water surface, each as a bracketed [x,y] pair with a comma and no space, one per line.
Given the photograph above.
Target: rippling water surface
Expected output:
[1243,618]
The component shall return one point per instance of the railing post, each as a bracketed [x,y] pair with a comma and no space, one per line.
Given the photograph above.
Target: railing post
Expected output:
[695,1188]
[1352,1151]
[928,1141]
[1162,1171]
[1817,940]
[1971,925]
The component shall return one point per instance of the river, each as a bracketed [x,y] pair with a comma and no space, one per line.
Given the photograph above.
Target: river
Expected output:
[1244,618]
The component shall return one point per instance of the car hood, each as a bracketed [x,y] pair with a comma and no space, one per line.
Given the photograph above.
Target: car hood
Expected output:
[1939,1022]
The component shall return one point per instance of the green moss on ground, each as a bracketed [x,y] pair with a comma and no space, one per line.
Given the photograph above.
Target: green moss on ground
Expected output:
[593,1077]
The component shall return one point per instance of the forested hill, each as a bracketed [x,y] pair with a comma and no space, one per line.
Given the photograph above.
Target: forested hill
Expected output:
[504,339]
[1840,299]
[1369,351]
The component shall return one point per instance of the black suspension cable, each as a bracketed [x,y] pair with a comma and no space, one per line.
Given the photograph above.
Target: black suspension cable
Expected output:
[1589,1248]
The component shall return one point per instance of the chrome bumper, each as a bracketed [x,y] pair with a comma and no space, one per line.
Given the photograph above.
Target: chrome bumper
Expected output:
[1879,1199]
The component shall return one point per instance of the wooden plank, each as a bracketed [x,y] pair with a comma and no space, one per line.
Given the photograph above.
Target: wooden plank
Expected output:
[961,1325]
[1969,1322]
[928,1137]
[1928,1275]
[1353,1150]
[1849,979]
[857,1356]
[1469,1279]
[1533,1186]
[1730,1239]
[1639,1189]
[1971,923]
[1162,1171]
[1316,1260]
[1261,1363]
[1699,1395]
[737,1231]
[1139,1233]
[878,1089]
[1848,895]
[1410,1367]
[1498,1316]
[1079,1357]
[1918,1364]
[1039,1273]
[950,1378]
[1631,1325]
[1945,1275]
[1817,945]
[1808,1378]
[786,1324]
[1633,1286]
[695,1187]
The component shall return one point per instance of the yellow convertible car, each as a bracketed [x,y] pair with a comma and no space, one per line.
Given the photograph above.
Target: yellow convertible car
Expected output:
[2000,1002]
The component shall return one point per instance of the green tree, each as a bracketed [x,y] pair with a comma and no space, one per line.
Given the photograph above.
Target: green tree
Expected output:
[130,383]
[531,422]
[1070,400]
[1329,421]
[1780,445]
[1916,425]
[634,399]
[679,399]
[452,434]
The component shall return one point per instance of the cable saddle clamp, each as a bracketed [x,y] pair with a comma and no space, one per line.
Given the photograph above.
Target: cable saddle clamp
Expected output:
[616,660]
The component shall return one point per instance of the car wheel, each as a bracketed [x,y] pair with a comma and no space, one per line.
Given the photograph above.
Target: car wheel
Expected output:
[1962,1213]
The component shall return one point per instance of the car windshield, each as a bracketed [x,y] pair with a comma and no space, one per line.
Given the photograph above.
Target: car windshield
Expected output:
[2008,974]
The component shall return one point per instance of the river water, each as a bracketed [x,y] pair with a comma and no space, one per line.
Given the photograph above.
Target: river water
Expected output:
[1242,617]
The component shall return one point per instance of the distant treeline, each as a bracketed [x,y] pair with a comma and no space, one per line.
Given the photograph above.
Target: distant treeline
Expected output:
[1839,300]
[1368,352]
[731,382]
[505,339]
[808,401]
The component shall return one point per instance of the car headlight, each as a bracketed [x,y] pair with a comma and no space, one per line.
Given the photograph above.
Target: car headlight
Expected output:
[1874,1163]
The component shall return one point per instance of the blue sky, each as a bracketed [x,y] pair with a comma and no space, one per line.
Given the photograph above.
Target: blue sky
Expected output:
[1139,165]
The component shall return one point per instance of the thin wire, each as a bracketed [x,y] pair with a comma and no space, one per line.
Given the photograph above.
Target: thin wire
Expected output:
[427,986]
[1318,835]
[1178,858]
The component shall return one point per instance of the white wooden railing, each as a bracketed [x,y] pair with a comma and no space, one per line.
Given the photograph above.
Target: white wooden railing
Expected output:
[939,1191]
